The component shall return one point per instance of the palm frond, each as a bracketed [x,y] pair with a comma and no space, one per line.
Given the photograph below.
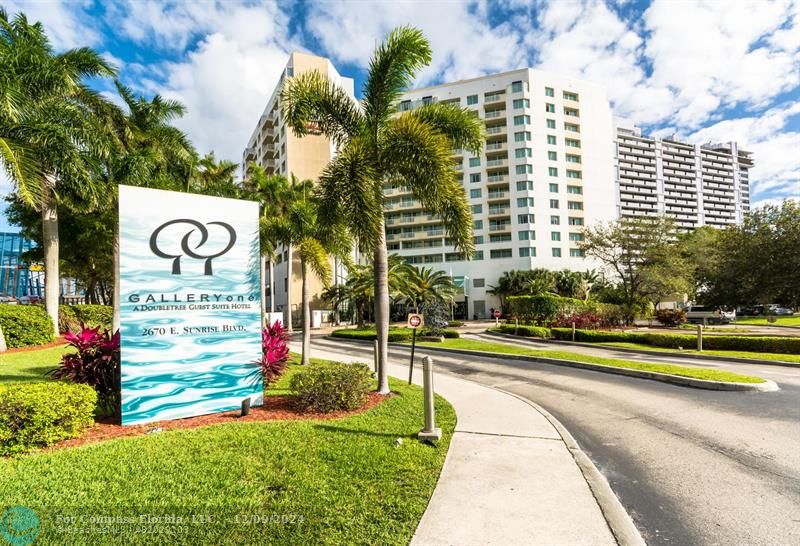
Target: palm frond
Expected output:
[461,126]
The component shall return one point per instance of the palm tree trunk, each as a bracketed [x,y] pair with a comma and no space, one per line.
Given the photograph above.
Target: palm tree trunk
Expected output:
[306,316]
[262,268]
[271,287]
[289,289]
[52,278]
[116,321]
[336,284]
[381,267]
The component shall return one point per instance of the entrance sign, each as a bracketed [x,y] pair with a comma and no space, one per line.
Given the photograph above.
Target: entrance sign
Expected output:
[189,304]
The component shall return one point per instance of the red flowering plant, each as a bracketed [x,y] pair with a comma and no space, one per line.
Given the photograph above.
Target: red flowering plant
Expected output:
[274,352]
[95,363]
[583,320]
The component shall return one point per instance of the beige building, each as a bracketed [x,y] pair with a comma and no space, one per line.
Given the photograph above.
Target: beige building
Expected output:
[274,146]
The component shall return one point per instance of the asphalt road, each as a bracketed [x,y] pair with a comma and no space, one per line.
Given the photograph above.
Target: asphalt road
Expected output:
[690,466]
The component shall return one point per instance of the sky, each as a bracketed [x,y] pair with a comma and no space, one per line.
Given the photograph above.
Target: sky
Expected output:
[701,70]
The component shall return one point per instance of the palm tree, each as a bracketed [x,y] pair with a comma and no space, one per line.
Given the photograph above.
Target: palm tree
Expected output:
[378,145]
[49,125]
[313,242]
[212,177]
[426,285]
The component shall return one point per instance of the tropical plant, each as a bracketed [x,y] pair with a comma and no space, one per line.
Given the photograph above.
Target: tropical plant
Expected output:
[326,386]
[377,146]
[216,178]
[96,363]
[274,352]
[51,130]
[425,284]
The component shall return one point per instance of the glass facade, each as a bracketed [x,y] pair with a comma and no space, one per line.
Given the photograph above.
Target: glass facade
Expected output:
[17,277]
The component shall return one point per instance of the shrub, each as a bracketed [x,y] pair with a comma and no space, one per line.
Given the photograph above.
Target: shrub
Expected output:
[455,323]
[671,317]
[274,352]
[524,331]
[97,364]
[584,319]
[331,386]
[25,325]
[40,414]
[395,334]
[70,317]
[781,345]
[435,313]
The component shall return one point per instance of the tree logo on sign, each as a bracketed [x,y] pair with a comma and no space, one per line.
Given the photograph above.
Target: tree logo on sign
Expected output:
[185,247]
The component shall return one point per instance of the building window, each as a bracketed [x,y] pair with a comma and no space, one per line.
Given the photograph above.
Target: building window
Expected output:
[526,252]
[524,201]
[525,185]
[572,158]
[474,161]
[522,120]
[576,236]
[572,127]
[570,96]
[556,252]
[551,139]
[475,177]
[577,253]
[526,219]
[552,156]
[524,169]
[554,203]
[405,105]
[572,143]
[572,112]
[550,107]
[526,235]
[477,224]
[552,171]
[553,188]
[472,99]
[477,255]
[551,124]
[522,152]
[521,103]
[477,209]
[516,87]
[478,283]
[522,136]
[574,174]
[475,193]
[548,91]
[575,205]
[478,239]
[577,190]
[500,253]
[555,220]
[573,221]
[555,236]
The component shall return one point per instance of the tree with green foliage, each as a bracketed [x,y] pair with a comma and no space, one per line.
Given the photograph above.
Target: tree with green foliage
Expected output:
[425,285]
[379,145]
[215,178]
[51,133]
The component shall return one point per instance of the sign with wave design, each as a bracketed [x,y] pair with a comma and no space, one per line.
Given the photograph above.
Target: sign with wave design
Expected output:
[189,304]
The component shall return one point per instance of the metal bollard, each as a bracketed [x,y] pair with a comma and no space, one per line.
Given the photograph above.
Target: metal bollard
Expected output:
[430,433]
[700,338]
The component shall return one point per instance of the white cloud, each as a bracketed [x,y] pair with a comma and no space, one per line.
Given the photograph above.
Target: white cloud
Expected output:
[65,21]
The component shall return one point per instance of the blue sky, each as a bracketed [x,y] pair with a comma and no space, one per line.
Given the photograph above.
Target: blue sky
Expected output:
[702,70]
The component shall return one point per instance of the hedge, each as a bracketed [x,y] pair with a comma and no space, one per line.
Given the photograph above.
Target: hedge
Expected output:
[70,316]
[395,334]
[331,386]
[41,414]
[25,325]
[782,345]
[523,330]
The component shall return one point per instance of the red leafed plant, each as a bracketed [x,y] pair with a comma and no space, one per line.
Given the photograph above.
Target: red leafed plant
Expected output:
[96,363]
[274,352]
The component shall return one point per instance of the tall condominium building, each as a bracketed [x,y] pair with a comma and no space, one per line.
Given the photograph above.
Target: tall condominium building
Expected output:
[696,184]
[274,146]
[545,172]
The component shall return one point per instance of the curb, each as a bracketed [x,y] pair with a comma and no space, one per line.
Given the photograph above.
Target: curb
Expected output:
[766,386]
[648,352]
[618,519]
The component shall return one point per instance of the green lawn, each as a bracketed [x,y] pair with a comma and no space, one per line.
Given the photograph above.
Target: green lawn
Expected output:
[340,481]
[734,354]
[29,366]
[762,321]
[685,371]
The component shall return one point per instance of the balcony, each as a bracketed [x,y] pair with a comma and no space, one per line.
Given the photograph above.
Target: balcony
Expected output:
[497,179]
[499,211]
[500,227]
[496,146]
[495,163]
[490,98]
[495,114]
[496,130]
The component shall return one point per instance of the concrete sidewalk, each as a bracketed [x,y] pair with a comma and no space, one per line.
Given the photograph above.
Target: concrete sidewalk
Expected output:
[509,477]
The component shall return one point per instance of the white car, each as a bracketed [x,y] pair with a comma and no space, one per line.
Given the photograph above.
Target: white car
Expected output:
[702,314]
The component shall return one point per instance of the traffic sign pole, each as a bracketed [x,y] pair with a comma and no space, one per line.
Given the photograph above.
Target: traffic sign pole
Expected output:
[414,321]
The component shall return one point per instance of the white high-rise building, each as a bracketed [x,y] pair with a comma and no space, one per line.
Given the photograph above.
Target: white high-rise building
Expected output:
[546,171]
[274,146]
[696,184]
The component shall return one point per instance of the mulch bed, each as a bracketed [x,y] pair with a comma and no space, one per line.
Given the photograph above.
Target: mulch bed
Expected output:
[59,342]
[275,408]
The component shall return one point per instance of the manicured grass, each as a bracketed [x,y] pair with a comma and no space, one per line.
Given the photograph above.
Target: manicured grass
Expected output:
[762,321]
[733,354]
[29,366]
[685,371]
[293,482]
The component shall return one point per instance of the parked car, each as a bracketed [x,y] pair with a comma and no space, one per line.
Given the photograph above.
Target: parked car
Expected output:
[709,315]
[780,311]
[30,300]
[8,299]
